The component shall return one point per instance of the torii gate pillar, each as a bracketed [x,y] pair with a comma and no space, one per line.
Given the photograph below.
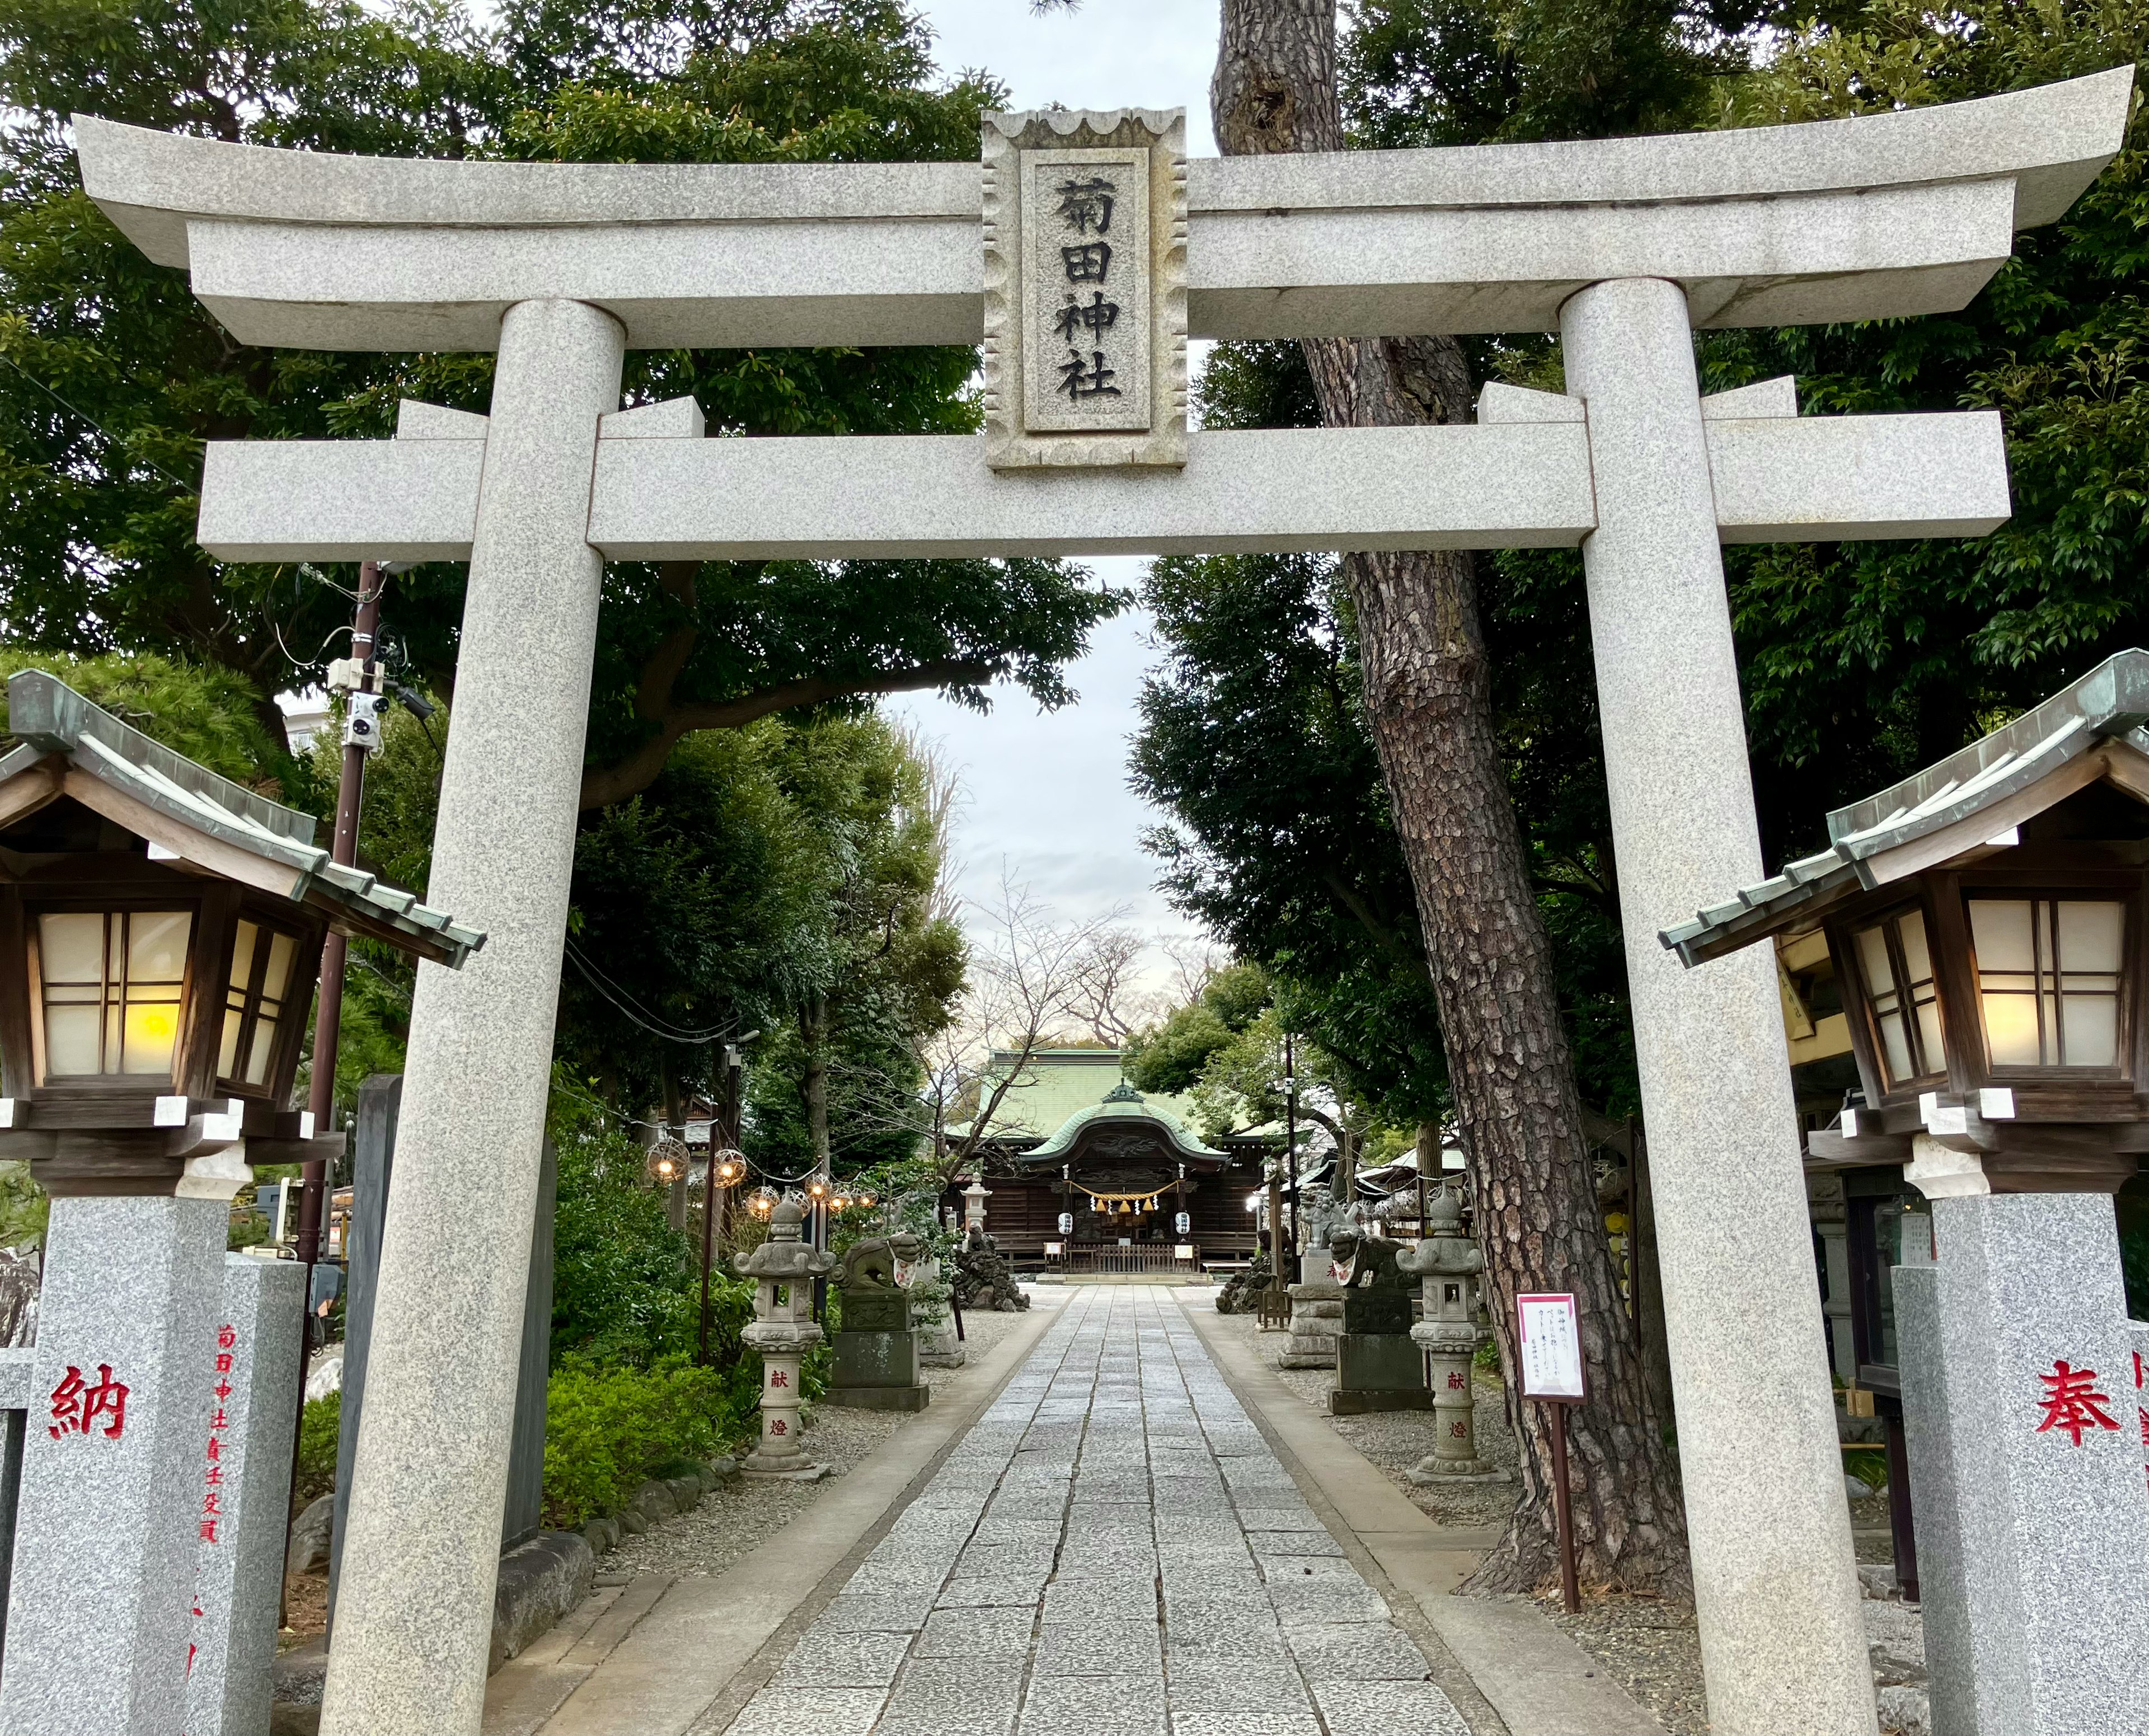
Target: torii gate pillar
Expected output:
[480,1058]
[1777,1605]
[1882,216]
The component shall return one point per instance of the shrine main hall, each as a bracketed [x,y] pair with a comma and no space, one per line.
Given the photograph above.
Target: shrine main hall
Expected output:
[1084,1171]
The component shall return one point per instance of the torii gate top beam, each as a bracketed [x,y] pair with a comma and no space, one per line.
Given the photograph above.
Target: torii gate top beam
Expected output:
[1882,215]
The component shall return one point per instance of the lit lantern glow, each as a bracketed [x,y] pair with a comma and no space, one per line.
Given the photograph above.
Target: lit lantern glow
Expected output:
[2048,980]
[108,988]
[1899,975]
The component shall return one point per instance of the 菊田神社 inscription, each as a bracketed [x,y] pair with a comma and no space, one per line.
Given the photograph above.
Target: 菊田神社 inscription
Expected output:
[1085,287]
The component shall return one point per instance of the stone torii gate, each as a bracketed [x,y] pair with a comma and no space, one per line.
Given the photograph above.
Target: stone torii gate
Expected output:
[1624,246]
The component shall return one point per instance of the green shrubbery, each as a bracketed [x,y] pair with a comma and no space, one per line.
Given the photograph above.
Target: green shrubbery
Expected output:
[318,1425]
[625,1398]
[607,1429]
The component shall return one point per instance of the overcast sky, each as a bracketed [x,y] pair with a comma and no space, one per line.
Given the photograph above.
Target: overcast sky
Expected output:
[1048,792]
[1105,55]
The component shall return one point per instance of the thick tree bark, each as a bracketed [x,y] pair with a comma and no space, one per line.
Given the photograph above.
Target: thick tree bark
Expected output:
[1428,696]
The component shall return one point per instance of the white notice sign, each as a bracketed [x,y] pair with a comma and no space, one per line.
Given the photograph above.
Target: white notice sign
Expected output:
[1550,1347]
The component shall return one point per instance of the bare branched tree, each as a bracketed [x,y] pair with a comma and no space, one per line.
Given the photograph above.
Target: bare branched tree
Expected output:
[1108,1001]
[1033,983]
[1195,960]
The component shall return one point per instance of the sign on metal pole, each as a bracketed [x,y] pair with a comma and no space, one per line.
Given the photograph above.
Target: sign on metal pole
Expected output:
[1549,1347]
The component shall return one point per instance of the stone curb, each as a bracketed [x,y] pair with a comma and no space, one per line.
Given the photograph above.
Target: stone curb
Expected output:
[540,1582]
[705,1645]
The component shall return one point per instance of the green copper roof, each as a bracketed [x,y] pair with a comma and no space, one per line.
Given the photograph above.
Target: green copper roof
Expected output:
[1057,1085]
[1123,1106]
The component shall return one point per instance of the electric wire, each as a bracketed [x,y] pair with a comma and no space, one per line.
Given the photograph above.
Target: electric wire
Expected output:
[650,1022]
[76,410]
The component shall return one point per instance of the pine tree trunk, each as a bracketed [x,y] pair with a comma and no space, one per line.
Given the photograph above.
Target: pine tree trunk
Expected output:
[1428,698]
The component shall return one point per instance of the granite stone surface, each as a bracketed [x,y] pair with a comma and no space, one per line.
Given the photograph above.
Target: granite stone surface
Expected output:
[245,1479]
[2044,1445]
[1776,1587]
[1129,1618]
[1887,214]
[100,1598]
[1629,243]
[421,1548]
[1938,1429]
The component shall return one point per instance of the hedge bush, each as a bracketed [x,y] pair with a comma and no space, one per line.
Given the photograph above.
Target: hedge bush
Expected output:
[608,1429]
[319,1424]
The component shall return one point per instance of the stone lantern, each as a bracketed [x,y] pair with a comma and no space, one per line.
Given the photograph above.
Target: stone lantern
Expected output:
[974,1202]
[1986,919]
[1448,1266]
[783,1330]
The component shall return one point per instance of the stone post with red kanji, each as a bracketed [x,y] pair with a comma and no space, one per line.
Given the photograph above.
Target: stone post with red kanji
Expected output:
[1449,1268]
[100,1599]
[783,1330]
[2025,1450]
[242,1486]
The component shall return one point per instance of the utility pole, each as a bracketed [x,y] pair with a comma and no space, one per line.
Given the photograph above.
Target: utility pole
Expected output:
[359,676]
[1290,1137]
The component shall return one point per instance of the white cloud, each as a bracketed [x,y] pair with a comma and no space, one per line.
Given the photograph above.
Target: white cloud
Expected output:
[1046,793]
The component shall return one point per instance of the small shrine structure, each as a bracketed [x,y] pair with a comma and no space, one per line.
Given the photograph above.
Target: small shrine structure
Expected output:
[1989,919]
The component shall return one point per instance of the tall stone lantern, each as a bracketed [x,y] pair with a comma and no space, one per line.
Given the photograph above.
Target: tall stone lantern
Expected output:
[974,1202]
[1448,1266]
[783,1330]
[160,934]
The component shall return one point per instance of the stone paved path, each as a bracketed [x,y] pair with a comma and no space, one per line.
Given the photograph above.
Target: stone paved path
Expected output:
[1111,1550]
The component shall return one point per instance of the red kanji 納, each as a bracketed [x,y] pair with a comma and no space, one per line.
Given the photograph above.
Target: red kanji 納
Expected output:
[76,1404]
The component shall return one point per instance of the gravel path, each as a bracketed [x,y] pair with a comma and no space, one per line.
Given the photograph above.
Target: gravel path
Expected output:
[735,1520]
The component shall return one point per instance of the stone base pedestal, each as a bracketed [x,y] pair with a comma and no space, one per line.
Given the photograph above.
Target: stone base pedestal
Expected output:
[1377,1371]
[874,1359]
[877,1371]
[938,1346]
[245,1480]
[1317,1317]
[780,1452]
[110,1510]
[2026,1452]
[881,1398]
[1431,1472]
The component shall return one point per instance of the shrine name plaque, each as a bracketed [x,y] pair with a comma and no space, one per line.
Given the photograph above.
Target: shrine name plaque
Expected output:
[1085,287]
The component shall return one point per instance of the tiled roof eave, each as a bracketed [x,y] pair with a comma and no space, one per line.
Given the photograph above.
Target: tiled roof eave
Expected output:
[2109,702]
[114,753]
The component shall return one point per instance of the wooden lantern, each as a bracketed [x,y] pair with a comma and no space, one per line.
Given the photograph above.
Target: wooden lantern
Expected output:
[160,937]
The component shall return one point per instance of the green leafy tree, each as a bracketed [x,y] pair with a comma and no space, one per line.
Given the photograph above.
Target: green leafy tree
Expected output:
[1170,1058]
[838,1083]
[112,377]
[1863,662]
